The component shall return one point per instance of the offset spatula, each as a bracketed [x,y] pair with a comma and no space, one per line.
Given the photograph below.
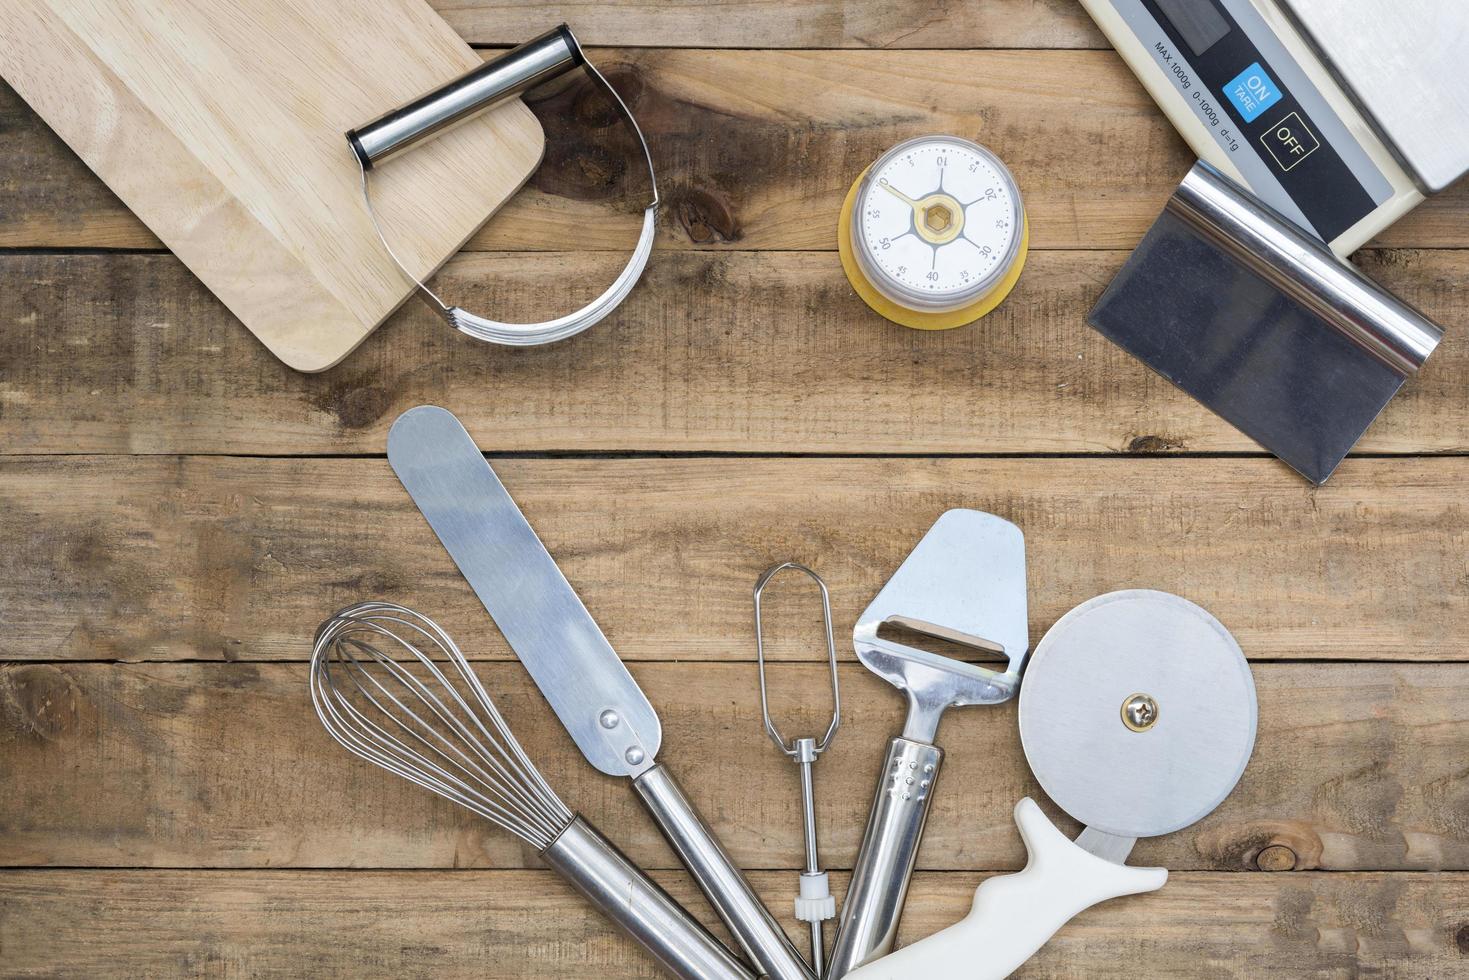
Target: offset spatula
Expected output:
[578,672]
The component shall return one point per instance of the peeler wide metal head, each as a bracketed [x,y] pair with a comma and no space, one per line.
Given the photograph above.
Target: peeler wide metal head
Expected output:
[434,113]
[1263,324]
[965,584]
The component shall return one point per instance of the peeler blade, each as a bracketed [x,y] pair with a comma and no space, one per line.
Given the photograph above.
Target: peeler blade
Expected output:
[1234,305]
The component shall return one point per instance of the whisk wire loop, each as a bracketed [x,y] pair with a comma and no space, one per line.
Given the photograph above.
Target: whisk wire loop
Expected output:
[437,728]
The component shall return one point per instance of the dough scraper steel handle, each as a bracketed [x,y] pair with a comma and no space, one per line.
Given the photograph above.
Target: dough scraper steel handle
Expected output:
[566,654]
[497,81]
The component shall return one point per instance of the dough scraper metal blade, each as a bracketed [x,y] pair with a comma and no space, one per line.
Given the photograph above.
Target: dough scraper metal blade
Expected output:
[1258,320]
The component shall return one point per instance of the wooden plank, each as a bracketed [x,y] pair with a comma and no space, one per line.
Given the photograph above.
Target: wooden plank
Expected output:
[1356,767]
[773,24]
[239,559]
[519,924]
[756,149]
[739,352]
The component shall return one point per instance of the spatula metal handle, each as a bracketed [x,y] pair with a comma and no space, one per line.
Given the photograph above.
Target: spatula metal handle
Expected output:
[889,850]
[753,927]
[639,907]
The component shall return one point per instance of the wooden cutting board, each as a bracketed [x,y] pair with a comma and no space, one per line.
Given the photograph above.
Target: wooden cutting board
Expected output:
[220,122]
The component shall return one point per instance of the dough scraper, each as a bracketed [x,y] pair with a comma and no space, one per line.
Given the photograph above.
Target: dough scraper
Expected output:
[1323,122]
[1259,321]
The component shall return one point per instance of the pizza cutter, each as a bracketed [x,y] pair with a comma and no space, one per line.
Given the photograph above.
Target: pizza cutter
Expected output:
[1137,714]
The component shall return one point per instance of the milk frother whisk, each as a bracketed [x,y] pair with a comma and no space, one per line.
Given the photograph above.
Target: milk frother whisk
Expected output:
[815,903]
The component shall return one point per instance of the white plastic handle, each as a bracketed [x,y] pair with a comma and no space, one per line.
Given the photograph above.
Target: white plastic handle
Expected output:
[1014,915]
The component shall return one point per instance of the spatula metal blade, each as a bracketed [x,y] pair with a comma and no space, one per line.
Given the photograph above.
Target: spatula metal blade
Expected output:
[541,616]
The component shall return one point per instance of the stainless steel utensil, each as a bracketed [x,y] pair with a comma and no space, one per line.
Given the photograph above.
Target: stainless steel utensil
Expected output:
[570,660]
[1137,716]
[815,903]
[964,583]
[434,724]
[497,80]
[1262,324]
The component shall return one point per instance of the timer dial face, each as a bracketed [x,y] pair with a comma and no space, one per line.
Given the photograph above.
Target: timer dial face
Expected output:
[938,223]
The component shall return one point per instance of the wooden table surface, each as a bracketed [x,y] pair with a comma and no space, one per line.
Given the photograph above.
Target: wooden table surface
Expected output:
[178,511]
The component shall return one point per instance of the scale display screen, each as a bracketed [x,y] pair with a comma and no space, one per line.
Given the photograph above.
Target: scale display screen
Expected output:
[1199,25]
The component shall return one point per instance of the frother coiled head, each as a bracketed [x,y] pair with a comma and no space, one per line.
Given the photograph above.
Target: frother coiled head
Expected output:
[394,689]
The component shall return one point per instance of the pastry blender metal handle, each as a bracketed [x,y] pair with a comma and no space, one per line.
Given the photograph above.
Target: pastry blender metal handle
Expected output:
[496,81]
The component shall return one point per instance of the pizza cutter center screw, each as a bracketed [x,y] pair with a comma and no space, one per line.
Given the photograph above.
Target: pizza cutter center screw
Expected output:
[1139,712]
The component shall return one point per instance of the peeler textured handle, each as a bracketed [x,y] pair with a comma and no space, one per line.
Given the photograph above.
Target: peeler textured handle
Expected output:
[638,906]
[889,850]
[756,930]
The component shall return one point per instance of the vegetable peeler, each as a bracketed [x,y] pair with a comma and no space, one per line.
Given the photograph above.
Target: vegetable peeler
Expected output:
[964,583]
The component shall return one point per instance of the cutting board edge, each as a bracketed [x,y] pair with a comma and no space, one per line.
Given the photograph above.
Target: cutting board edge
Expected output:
[110,151]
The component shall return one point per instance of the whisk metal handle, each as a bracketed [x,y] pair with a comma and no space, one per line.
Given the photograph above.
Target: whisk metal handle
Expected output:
[639,907]
[764,942]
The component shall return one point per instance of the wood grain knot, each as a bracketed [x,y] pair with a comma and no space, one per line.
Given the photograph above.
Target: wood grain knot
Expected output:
[593,108]
[705,217]
[589,149]
[1267,845]
[355,406]
[1155,444]
[1461,939]
[38,701]
[1276,857]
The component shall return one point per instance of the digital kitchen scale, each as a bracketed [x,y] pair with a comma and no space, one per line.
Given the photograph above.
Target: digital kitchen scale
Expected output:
[1342,115]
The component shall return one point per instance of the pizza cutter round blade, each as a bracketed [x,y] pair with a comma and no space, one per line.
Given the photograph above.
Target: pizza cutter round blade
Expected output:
[1137,713]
